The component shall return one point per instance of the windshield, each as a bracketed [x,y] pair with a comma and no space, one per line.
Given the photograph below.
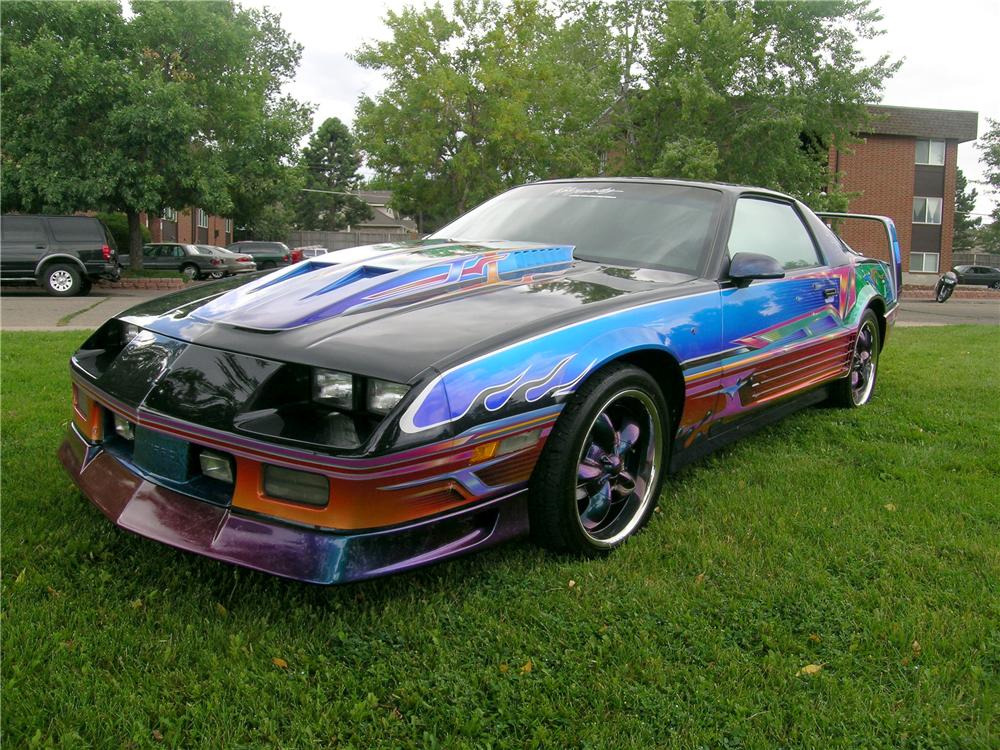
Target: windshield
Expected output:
[646,225]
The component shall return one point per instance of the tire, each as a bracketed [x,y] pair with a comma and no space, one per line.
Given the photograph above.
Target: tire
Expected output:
[216,275]
[191,271]
[62,280]
[595,486]
[995,285]
[856,389]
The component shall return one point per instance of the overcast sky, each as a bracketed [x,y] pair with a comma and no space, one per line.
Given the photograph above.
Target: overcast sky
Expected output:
[948,50]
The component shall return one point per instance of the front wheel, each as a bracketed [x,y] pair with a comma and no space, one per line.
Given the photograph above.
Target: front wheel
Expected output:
[943,293]
[190,271]
[856,389]
[600,473]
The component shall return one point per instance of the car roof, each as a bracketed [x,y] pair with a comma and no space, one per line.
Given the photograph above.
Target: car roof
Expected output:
[726,187]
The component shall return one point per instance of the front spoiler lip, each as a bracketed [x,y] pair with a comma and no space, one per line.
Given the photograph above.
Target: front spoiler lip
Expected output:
[311,555]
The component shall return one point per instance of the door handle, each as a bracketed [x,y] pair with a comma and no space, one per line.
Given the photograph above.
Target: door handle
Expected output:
[39,247]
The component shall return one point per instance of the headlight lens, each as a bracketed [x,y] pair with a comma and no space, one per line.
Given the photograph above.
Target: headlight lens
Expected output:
[129,332]
[383,395]
[333,388]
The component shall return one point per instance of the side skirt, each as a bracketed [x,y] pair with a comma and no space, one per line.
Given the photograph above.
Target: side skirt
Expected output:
[756,420]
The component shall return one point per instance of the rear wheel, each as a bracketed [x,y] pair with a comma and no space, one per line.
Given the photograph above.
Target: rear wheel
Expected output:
[995,285]
[856,389]
[62,280]
[599,476]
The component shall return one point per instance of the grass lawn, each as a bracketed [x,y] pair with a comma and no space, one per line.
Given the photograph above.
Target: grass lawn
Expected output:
[864,542]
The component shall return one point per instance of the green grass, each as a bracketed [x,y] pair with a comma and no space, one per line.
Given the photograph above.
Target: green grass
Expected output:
[834,538]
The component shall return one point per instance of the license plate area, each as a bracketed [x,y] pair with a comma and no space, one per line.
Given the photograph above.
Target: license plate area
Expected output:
[162,455]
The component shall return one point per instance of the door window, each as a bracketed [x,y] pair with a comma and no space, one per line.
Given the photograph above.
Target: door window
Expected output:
[772,228]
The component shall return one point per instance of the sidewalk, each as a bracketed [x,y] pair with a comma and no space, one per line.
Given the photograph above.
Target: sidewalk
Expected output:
[29,309]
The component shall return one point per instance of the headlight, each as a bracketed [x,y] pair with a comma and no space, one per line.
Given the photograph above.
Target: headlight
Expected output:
[129,332]
[333,388]
[383,395]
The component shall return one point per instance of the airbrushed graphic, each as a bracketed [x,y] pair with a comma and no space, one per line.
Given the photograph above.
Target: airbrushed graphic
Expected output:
[317,290]
[492,340]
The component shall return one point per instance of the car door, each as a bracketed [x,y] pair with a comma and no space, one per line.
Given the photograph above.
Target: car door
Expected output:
[25,242]
[783,335]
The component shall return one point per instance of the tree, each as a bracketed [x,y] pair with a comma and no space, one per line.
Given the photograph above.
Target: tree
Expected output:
[330,163]
[966,225]
[989,146]
[178,105]
[489,96]
[756,92]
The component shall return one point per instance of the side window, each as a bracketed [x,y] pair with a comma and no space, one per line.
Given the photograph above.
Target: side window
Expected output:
[76,229]
[178,251]
[149,250]
[772,228]
[22,229]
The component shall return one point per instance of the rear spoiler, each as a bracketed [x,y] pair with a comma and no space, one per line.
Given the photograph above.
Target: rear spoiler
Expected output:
[890,233]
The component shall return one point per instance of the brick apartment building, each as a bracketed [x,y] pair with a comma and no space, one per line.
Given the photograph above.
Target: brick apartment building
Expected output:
[189,226]
[904,168]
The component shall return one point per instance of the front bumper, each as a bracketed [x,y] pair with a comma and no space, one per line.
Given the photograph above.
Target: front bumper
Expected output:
[301,553]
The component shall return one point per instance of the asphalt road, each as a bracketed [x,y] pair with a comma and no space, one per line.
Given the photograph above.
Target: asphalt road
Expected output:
[29,309]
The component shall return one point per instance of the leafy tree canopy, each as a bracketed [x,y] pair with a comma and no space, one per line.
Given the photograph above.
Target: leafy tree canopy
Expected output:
[491,95]
[966,225]
[989,147]
[330,162]
[178,105]
[497,94]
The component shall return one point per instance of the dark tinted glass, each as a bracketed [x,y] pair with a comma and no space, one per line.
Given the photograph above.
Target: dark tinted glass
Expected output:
[631,224]
[22,229]
[76,229]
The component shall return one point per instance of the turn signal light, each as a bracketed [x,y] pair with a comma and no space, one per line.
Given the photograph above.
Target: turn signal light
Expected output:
[297,486]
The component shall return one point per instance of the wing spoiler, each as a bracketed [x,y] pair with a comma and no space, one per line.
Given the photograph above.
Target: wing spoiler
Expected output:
[890,233]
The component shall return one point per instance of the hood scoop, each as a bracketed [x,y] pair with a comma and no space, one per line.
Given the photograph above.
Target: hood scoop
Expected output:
[317,290]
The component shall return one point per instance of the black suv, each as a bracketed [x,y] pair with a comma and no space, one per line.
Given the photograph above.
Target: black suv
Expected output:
[63,254]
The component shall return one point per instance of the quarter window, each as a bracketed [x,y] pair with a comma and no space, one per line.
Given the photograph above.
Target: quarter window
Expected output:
[772,228]
[930,152]
[926,210]
[924,262]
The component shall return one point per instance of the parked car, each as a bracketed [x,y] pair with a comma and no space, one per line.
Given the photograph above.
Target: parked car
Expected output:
[265,254]
[62,254]
[232,263]
[981,275]
[544,362]
[190,260]
[309,251]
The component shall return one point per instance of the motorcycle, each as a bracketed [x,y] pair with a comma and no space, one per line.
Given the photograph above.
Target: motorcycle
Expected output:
[945,286]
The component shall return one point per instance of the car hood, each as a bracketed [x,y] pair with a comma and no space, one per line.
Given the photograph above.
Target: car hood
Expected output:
[394,310]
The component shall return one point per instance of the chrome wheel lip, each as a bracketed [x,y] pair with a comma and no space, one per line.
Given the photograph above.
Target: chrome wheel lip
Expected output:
[61,281]
[647,473]
[864,368]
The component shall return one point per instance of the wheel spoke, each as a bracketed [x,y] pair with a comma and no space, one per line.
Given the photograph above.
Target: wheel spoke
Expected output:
[624,485]
[597,506]
[627,435]
[585,472]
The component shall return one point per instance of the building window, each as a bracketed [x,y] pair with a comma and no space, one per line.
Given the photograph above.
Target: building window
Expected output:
[926,210]
[924,262]
[202,219]
[930,152]
[170,214]
[229,226]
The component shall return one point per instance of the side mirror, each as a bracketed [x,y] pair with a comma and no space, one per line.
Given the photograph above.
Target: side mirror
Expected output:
[745,267]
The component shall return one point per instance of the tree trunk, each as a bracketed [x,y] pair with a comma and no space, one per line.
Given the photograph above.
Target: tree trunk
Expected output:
[134,241]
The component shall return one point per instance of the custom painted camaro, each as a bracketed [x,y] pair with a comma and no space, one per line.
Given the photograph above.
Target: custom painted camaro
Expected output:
[541,364]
